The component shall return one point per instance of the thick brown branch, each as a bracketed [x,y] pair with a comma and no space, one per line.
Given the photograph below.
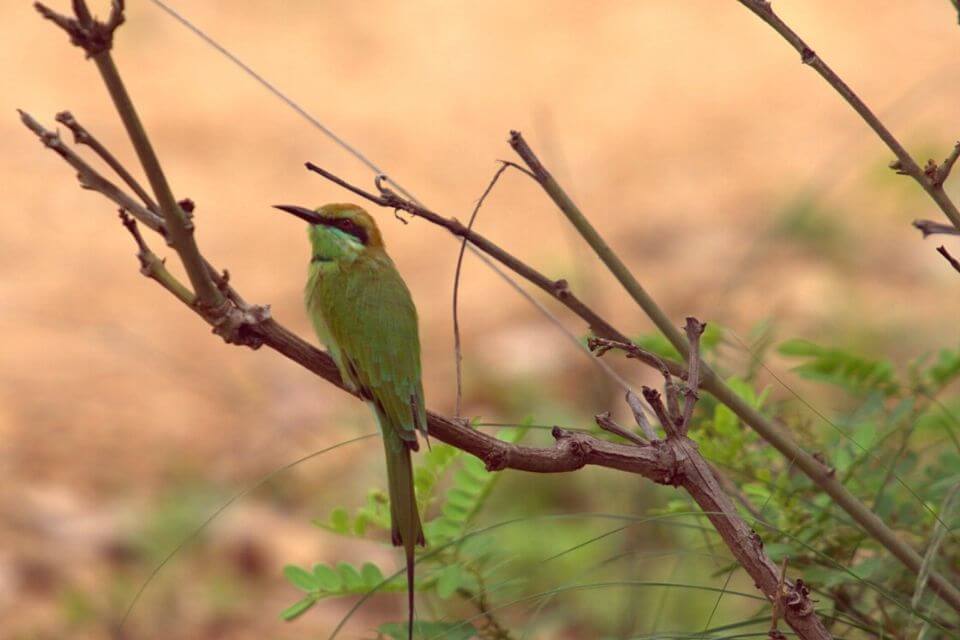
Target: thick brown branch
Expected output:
[572,450]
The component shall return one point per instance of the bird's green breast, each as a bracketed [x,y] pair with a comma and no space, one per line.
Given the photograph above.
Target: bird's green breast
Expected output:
[363,312]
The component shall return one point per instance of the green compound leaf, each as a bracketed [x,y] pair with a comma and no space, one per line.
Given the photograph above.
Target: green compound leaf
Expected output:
[841,368]
[301,578]
[297,609]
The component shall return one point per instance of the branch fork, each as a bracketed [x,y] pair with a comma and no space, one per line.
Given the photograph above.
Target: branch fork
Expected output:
[85,31]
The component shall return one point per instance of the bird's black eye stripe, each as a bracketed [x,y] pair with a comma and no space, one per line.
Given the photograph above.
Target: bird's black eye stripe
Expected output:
[351,227]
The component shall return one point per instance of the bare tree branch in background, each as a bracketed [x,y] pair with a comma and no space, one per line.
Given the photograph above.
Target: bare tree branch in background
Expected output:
[904,162]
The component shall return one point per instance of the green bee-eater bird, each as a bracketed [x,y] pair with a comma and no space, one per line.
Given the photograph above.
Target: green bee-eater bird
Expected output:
[362,311]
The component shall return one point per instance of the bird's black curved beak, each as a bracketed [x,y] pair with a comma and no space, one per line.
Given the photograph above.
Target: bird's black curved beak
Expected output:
[301,212]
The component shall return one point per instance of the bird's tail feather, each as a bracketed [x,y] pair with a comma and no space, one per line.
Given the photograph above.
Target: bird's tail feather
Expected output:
[406,529]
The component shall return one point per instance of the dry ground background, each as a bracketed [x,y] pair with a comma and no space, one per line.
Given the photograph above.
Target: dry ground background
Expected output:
[732,179]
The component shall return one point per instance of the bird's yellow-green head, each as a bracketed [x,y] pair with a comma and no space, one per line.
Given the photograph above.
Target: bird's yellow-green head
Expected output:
[338,231]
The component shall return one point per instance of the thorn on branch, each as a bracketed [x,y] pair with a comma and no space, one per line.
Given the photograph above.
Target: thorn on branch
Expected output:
[85,31]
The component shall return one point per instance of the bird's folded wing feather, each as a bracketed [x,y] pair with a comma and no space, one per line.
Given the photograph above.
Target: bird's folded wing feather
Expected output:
[371,316]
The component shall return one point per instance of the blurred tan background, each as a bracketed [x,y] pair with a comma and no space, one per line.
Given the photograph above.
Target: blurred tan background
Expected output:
[739,187]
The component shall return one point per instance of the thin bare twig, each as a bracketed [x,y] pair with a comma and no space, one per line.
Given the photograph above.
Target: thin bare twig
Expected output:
[694,329]
[96,39]
[640,415]
[90,178]
[82,136]
[458,353]
[653,398]
[904,162]
[153,266]
[778,604]
[601,346]
[942,250]
[607,423]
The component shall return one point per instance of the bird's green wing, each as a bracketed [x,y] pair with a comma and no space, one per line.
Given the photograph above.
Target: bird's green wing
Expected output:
[371,316]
